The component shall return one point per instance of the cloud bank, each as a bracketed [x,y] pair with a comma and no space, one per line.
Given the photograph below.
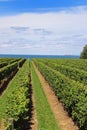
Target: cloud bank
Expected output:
[58,32]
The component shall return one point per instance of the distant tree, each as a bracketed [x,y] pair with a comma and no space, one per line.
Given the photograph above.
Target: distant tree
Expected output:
[84,53]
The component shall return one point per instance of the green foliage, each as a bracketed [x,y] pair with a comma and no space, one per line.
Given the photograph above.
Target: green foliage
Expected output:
[21,61]
[73,73]
[7,61]
[18,100]
[63,75]
[3,64]
[72,94]
[84,53]
[7,70]
[80,64]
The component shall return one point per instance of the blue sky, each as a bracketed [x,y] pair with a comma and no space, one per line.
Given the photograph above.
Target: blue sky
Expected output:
[43,27]
[19,6]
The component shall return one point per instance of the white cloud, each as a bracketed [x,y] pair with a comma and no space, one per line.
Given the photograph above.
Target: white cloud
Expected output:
[46,33]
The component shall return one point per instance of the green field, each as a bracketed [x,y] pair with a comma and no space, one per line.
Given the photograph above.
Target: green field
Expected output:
[68,79]
[69,85]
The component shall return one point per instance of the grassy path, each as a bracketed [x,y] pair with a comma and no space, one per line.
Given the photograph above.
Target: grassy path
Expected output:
[61,116]
[45,117]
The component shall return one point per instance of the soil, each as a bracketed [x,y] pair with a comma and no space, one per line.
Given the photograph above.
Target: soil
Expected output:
[61,116]
[34,117]
[2,126]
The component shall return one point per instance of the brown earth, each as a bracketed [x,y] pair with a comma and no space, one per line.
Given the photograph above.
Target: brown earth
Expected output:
[34,117]
[33,120]
[61,116]
[2,126]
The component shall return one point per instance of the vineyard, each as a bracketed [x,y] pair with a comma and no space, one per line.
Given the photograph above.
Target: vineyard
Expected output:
[67,79]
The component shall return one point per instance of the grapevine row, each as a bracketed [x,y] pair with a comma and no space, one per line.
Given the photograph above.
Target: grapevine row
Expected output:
[7,70]
[4,62]
[74,63]
[72,94]
[18,101]
[73,73]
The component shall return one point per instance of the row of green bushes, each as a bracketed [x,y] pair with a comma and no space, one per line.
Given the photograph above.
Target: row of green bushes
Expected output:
[74,63]
[18,101]
[7,70]
[72,94]
[73,73]
[7,61]
[3,64]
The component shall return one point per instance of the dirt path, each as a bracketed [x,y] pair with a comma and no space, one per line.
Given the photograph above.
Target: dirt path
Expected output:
[34,117]
[2,126]
[64,121]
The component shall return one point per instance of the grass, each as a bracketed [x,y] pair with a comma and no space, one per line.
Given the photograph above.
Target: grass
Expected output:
[46,119]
